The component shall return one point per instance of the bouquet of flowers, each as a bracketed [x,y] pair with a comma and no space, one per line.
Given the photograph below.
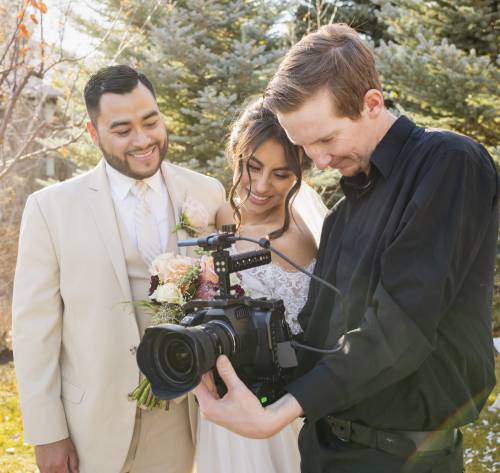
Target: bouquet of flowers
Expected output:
[175,280]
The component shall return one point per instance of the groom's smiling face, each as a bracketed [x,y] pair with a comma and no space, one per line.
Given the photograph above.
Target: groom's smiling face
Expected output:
[130,132]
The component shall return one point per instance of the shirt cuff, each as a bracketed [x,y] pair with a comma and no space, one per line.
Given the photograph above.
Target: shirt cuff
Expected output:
[317,392]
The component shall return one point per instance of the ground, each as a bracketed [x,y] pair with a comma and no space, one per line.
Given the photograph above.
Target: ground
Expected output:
[482,439]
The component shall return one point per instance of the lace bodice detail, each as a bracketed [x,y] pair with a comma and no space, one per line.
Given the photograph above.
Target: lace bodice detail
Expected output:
[273,281]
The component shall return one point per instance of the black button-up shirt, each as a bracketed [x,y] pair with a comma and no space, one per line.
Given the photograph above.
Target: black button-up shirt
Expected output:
[412,249]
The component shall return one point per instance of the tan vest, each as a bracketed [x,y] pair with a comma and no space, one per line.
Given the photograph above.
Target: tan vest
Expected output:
[161,441]
[138,273]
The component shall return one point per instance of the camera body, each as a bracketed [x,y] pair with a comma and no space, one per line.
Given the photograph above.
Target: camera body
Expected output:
[253,333]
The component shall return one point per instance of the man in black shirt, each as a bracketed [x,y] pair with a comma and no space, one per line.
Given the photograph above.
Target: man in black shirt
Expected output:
[411,248]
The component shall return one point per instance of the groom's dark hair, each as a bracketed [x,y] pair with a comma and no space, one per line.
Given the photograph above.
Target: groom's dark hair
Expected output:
[119,79]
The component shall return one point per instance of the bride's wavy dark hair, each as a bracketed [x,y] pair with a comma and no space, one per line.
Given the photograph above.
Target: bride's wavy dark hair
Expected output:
[255,125]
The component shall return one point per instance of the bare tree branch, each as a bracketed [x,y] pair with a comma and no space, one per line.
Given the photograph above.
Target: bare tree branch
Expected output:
[38,152]
[127,38]
[14,34]
[12,104]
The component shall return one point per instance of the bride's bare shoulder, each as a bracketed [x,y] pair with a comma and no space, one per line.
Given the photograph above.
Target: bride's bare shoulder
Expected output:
[224,215]
[297,243]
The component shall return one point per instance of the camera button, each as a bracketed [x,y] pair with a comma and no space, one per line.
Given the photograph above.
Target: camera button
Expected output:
[133,350]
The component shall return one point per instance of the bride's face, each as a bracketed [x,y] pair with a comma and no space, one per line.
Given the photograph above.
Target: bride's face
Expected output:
[266,179]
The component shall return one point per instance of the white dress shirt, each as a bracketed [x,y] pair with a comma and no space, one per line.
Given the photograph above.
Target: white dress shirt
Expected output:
[126,202]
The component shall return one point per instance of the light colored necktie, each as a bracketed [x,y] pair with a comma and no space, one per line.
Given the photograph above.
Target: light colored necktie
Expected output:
[148,235]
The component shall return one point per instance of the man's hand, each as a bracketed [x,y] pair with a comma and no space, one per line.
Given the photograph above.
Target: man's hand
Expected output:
[239,410]
[57,457]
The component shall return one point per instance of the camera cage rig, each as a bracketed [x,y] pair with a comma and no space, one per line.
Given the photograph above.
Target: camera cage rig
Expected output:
[268,384]
[224,262]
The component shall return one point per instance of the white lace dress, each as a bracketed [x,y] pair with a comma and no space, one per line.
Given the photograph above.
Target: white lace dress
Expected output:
[221,451]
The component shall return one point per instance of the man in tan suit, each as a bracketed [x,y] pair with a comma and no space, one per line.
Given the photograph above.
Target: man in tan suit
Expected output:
[81,259]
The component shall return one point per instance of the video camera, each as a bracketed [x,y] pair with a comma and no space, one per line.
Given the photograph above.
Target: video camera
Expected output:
[253,333]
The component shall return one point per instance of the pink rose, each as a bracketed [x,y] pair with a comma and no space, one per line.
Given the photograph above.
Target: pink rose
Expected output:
[169,267]
[206,291]
[195,215]
[208,273]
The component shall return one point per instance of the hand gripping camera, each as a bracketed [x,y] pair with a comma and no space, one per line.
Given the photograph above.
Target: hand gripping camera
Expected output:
[253,333]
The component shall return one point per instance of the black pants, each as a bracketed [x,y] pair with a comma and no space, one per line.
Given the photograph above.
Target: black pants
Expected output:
[323,452]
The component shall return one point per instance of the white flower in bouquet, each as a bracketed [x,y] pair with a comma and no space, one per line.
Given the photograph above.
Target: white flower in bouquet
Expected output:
[168,293]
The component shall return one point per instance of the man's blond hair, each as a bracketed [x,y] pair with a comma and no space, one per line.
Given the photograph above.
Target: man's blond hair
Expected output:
[334,56]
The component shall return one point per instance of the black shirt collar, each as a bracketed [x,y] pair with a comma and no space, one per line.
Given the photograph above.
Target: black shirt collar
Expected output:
[389,147]
[382,160]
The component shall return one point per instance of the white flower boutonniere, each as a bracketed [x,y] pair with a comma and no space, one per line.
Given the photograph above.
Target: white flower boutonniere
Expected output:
[194,218]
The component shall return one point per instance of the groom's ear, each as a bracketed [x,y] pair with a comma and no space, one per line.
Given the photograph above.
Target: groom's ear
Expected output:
[93,133]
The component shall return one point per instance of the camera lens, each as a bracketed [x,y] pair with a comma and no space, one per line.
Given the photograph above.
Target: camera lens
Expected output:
[179,357]
[174,357]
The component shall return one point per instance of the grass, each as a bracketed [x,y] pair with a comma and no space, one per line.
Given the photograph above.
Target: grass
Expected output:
[482,439]
[15,455]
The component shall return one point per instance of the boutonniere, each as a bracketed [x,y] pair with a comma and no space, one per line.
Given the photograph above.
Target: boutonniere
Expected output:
[193,219]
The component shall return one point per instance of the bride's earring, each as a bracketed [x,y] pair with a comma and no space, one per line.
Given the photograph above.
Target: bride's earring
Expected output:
[237,198]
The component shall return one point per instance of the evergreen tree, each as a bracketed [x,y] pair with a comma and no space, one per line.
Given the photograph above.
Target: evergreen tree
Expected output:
[205,58]
[441,66]
[438,59]
[360,14]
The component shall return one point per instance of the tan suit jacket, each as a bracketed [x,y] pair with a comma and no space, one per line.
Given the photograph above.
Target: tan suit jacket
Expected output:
[74,332]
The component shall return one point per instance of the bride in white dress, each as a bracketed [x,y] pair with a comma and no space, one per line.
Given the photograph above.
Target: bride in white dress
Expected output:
[267,199]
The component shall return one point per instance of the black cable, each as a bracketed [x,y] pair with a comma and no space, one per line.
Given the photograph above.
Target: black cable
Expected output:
[317,350]
[264,243]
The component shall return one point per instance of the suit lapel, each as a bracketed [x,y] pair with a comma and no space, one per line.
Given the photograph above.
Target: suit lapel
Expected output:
[171,246]
[103,210]
[177,192]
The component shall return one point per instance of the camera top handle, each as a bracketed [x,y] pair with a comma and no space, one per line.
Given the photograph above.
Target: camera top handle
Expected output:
[224,262]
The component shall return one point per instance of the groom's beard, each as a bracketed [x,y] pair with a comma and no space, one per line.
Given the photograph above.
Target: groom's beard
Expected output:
[122,165]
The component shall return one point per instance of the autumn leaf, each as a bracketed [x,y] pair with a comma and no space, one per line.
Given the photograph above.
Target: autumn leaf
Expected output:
[42,7]
[20,15]
[23,51]
[34,19]
[23,31]
[63,152]
[34,3]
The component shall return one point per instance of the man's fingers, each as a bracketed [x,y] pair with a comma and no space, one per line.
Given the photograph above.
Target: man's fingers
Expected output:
[204,396]
[208,381]
[73,463]
[227,373]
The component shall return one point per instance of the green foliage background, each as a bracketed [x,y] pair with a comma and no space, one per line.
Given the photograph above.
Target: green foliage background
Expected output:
[438,62]
[438,59]
[205,59]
